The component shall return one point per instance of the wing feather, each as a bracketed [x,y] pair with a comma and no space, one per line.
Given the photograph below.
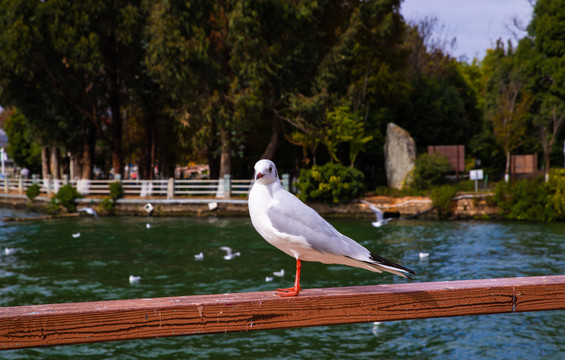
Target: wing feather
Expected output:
[298,219]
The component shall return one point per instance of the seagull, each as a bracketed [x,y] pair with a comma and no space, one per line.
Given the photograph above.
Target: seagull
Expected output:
[90,211]
[199,257]
[298,230]
[423,255]
[268,278]
[148,226]
[9,251]
[378,213]
[279,273]
[77,235]
[229,255]
[134,279]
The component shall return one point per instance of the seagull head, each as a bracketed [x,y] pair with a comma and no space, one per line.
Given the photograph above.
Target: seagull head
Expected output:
[266,172]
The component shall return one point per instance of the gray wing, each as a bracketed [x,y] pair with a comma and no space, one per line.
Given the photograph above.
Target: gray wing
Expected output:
[291,216]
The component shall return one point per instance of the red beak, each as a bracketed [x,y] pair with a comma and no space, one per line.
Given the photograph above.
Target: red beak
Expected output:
[259,175]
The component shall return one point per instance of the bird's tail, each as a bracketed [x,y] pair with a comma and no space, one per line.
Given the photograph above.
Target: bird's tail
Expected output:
[381,264]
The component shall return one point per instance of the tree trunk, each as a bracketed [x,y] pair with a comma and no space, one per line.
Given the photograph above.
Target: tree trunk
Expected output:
[44,162]
[507,170]
[116,129]
[86,159]
[54,161]
[225,156]
[271,149]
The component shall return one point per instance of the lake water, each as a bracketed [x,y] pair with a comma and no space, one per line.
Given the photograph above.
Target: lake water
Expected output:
[49,265]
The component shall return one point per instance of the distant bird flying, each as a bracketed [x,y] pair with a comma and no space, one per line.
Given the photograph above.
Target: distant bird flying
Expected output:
[378,213]
[89,210]
[298,230]
[229,254]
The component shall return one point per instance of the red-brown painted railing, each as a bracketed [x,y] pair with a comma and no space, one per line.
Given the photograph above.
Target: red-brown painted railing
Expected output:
[88,322]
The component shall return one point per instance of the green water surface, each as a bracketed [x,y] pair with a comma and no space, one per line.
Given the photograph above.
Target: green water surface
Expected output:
[49,265]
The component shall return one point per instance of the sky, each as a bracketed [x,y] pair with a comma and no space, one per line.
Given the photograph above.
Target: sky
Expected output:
[476,24]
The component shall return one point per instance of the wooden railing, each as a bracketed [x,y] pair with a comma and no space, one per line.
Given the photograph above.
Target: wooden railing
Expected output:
[88,322]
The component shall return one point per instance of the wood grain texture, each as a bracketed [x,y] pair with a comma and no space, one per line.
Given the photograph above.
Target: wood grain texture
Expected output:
[75,323]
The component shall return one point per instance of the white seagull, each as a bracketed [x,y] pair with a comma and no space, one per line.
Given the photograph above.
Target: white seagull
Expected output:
[90,211]
[279,273]
[229,254]
[298,230]
[199,257]
[76,235]
[378,213]
[134,279]
[9,251]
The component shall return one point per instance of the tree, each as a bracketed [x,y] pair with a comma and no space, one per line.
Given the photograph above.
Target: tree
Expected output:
[508,102]
[543,53]
[23,147]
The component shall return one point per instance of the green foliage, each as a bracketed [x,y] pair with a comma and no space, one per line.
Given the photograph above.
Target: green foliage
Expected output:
[331,184]
[524,200]
[441,199]
[430,170]
[22,142]
[33,191]
[66,197]
[108,205]
[116,190]
[556,192]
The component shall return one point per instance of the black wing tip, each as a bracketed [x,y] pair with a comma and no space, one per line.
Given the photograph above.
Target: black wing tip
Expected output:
[386,262]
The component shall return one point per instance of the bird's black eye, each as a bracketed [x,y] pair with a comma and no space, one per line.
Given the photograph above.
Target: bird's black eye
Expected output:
[270,169]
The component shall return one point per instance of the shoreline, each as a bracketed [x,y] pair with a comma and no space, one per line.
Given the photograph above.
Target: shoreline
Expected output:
[464,207]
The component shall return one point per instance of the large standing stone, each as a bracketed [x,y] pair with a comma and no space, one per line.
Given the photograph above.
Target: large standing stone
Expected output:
[400,156]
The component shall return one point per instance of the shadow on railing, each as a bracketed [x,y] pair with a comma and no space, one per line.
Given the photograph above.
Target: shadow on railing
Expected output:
[89,322]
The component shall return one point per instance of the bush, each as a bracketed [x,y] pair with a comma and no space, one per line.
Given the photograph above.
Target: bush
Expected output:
[524,200]
[430,170]
[66,197]
[116,190]
[331,184]
[556,192]
[33,191]
[441,199]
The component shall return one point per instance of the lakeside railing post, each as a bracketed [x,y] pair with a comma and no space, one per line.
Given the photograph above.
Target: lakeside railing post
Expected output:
[227,185]
[21,185]
[171,188]
[286,182]
[49,185]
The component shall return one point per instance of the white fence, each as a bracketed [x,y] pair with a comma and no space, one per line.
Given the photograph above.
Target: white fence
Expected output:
[171,188]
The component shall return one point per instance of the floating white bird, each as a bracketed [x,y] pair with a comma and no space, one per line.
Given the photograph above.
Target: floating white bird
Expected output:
[229,254]
[77,235]
[89,210]
[199,257]
[298,230]
[9,251]
[378,213]
[149,208]
[423,255]
[279,273]
[134,279]
[148,226]
[268,278]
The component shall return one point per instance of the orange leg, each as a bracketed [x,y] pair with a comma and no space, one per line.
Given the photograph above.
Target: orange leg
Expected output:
[293,291]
